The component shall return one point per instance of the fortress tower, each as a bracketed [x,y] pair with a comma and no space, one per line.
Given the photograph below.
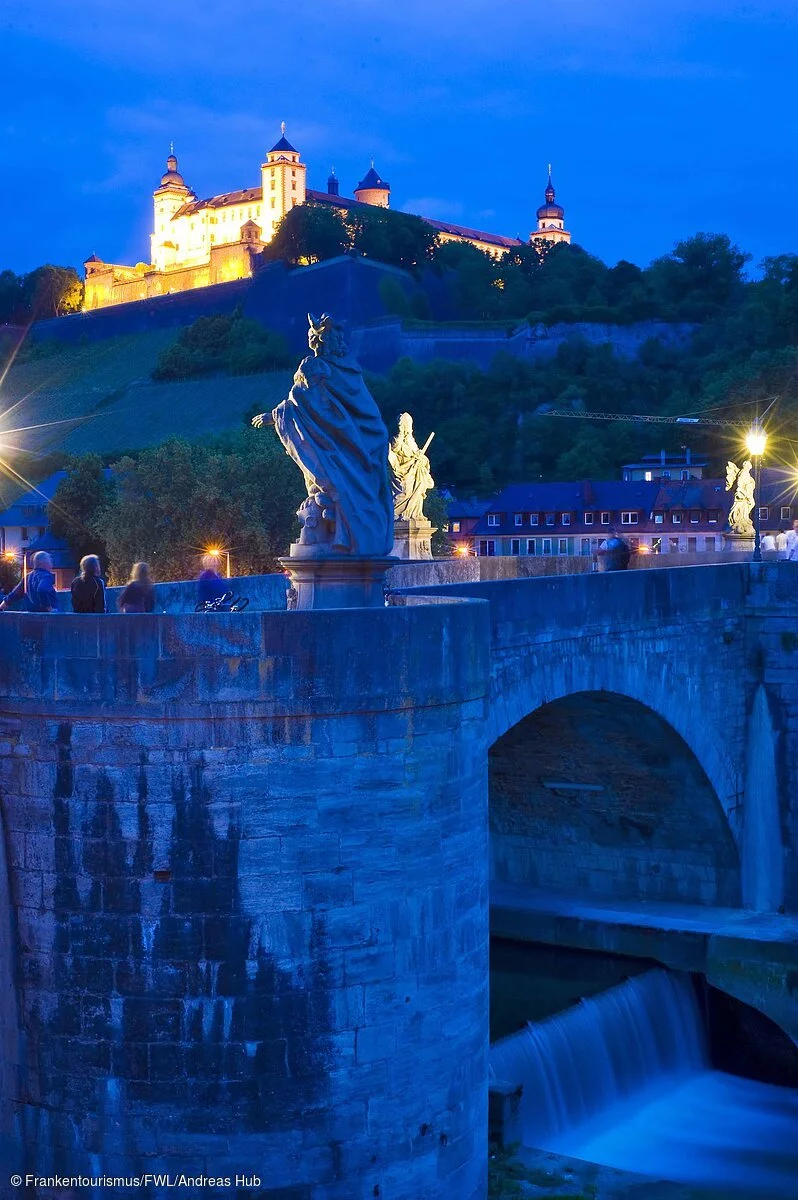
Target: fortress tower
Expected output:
[373,190]
[551,219]
[283,182]
[168,198]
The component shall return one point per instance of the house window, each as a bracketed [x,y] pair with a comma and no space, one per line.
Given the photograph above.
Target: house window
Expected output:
[293,187]
[588,518]
[763,514]
[487,547]
[709,543]
[628,518]
[566,518]
[712,516]
[455,526]
[534,519]
[658,518]
[684,474]
[546,546]
[665,475]
[493,518]
[584,548]
[695,517]
[676,518]
[273,203]
[273,185]
[562,546]
[531,546]
[647,476]
[605,518]
[549,518]
[656,545]
[519,518]
[692,545]
[673,545]
[785,512]
[515,545]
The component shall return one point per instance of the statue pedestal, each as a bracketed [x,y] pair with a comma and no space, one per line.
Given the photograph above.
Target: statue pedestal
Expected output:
[412,538]
[740,543]
[335,581]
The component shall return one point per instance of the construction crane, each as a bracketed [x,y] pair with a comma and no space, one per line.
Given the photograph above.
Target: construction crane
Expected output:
[652,420]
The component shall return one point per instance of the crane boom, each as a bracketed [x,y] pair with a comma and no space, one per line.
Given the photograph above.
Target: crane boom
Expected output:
[601,416]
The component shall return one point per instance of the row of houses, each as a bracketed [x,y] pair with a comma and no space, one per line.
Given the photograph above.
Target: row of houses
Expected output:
[668,512]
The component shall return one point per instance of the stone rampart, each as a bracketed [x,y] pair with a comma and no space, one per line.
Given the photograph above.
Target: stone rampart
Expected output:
[247,864]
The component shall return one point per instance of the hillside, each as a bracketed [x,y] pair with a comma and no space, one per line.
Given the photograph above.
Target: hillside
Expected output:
[100,397]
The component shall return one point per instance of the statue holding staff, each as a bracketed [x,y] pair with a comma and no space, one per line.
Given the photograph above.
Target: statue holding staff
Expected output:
[742,481]
[411,477]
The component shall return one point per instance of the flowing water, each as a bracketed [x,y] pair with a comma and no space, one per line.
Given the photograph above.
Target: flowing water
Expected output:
[624,1079]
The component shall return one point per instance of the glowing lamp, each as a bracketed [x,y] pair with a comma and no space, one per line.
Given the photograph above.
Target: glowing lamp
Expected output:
[214,551]
[756,440]
[462,550]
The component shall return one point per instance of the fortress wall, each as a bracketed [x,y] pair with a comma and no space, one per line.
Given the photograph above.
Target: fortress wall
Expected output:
[247,861]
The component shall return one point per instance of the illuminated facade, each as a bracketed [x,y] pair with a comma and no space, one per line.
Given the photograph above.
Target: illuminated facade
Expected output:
[196,242]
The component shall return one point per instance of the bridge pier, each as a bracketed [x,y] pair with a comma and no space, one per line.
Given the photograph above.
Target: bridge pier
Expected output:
[247,858]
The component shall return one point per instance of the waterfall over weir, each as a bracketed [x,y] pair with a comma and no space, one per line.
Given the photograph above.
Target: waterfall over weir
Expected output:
[576,1064]
[624,1079]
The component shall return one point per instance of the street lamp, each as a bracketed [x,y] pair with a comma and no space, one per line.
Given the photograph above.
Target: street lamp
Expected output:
[756,440]
[216,552]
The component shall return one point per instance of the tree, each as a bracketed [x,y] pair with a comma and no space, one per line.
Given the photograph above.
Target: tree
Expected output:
[308,233]
[80,494]
[175,499]
[396,238]
[10,296]
[701,273]
[52,291]
[227,342]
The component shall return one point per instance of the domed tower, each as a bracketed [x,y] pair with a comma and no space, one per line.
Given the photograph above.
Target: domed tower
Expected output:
[283,180]
[169,196]
[332,183]
[551,219]
[373,190]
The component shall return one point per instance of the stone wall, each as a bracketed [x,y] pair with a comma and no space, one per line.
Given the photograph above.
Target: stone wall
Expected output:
[247,859]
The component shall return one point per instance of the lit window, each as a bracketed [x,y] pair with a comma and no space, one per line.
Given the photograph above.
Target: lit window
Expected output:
[605,518]
[676,518]
[785,512]
[566,518]
[519,519]
[455,526]
[273,202]
[647,476]
[273,185]
[588,518]
[493,518]
[628,518]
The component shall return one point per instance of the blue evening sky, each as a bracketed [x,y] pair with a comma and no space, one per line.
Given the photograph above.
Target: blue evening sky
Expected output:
[662,117]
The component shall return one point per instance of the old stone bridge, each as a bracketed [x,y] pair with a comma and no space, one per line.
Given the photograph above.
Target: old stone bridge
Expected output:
[244,902]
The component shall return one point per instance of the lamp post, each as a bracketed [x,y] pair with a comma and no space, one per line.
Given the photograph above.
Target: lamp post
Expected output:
[756,440]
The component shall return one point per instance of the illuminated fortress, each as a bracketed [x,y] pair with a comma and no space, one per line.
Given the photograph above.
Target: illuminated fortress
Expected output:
[196,243]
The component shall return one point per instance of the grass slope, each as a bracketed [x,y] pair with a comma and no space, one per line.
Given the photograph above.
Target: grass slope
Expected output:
[100,397]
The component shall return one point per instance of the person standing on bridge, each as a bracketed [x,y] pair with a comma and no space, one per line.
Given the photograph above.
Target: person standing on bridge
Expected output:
[88,589]
[39,587]
[792,543]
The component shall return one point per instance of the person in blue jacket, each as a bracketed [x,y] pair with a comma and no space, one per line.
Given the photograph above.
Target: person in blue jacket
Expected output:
[38,589]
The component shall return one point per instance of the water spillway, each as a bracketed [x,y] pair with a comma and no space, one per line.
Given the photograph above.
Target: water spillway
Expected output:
[624,1079]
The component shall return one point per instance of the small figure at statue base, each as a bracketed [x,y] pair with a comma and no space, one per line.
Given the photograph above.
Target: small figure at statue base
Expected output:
[412,538]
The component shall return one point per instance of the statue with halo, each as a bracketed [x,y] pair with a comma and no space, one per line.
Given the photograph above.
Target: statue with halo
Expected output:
[410,482]
[331,427]
[741,479]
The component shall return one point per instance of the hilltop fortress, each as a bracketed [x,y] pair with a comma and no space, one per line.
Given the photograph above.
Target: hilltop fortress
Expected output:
[196,242]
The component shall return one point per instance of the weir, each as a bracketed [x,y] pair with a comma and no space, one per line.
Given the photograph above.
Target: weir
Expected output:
[624,1079]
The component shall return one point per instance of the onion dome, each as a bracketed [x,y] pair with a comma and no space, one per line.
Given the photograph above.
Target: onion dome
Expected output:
[550,210]
[171,174]
[332,183]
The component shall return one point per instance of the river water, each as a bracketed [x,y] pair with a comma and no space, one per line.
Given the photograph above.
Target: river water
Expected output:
[623,1078]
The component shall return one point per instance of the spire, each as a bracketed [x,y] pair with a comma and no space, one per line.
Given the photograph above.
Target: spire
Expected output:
[283,143]
[332,183]
[282,131]
[549,189]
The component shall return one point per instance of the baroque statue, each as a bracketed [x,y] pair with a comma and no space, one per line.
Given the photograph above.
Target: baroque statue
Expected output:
[742,481]
[410,472]
[331,427]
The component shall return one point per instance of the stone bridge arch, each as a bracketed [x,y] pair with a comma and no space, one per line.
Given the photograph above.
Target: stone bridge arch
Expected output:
[649,671]
[595,795]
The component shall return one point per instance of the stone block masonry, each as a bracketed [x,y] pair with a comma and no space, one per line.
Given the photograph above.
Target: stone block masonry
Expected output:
[246,898]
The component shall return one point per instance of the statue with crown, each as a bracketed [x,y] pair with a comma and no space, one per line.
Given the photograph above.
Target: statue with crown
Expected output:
[329,424]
